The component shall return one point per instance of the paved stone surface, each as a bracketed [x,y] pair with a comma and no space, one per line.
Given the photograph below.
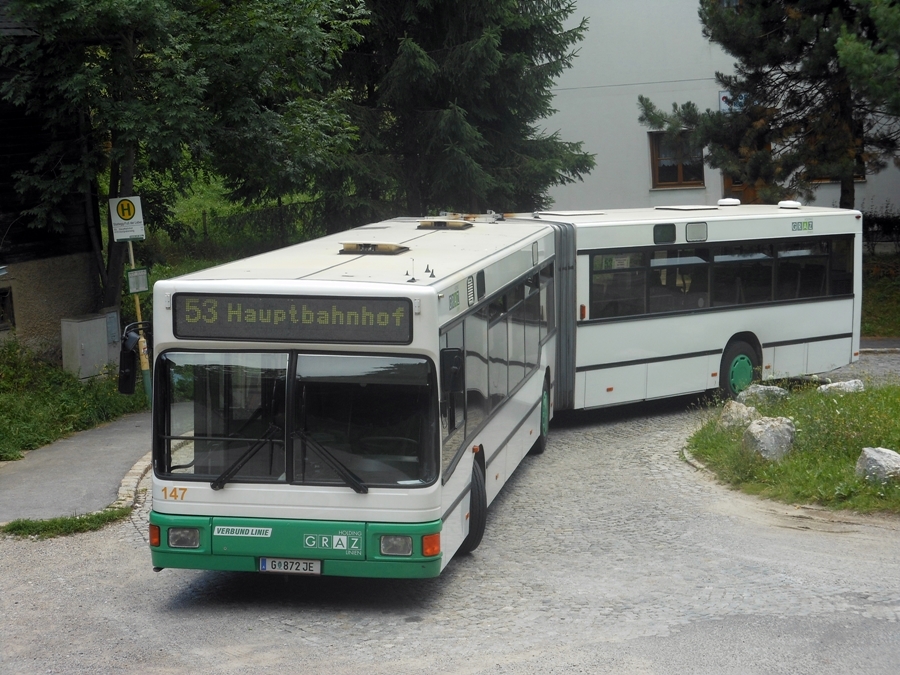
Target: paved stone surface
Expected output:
[607,554]
[76,475]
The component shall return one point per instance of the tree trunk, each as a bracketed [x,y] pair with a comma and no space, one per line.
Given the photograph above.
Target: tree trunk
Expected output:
[848,193]
[121,184]
[118,251]
[855,139]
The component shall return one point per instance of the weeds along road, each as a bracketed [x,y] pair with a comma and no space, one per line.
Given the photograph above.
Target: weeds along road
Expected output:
[608,554]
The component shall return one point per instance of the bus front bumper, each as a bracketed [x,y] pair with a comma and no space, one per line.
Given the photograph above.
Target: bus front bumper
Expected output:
[333,548]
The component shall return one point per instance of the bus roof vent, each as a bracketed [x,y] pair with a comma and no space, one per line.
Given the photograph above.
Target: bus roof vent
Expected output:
[729,201]
[445,223]
[372,248]
[686,207]
[789,204]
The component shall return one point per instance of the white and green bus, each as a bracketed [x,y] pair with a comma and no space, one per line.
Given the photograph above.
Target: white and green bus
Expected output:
[351,406]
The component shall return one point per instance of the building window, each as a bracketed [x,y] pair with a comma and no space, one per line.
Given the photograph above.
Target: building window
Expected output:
[7,318]
[675,164]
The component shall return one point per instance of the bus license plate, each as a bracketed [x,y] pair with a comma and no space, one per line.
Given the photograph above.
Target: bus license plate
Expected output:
[290,566]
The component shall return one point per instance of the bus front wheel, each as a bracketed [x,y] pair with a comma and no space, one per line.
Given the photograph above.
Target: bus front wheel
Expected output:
[740,367]
[477,511]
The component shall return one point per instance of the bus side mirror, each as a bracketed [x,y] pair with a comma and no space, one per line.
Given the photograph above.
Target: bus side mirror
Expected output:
[128,362]
[127,370]
[451,370]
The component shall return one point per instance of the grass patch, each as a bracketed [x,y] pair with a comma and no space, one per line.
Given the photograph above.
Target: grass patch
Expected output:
[60,527]
[832,430]
[881,296]
[41,403]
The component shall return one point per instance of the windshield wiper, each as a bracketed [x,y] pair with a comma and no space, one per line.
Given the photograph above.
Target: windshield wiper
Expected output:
[334,463]
[232,470]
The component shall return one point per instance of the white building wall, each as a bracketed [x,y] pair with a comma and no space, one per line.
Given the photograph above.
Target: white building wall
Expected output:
[654,48]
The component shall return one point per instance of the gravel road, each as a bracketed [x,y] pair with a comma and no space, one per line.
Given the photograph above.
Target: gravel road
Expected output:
[608,554]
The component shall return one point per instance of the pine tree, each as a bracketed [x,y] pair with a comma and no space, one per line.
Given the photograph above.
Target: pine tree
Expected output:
[448,98]
[873,62]
[797,117]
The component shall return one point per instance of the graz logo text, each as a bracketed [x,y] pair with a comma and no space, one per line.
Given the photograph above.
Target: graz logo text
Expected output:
[802,226]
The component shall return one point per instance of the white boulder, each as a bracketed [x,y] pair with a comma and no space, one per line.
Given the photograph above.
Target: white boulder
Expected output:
[761,393]
[771,437]
[878,465]
[736,414]
[848,387]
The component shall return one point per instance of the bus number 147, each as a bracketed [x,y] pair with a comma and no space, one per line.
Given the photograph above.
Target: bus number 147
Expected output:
[174,493]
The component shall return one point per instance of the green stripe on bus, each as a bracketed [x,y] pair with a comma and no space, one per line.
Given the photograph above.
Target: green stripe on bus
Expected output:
[347,548]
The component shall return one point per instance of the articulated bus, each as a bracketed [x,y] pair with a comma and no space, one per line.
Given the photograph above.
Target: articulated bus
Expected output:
[351,405]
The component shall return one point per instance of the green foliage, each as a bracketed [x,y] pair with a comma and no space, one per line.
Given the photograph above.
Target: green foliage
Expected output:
[881,296]
[41,403]
[796,116]
[873,62]
[155,91]
[212,230]
[831,433]
[448,99]
[880,225]
[60,527]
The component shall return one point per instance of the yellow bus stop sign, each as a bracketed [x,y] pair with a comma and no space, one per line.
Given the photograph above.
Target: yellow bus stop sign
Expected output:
[127,219]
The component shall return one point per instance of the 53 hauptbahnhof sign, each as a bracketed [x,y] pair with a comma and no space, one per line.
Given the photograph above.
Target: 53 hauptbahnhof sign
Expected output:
[285,318]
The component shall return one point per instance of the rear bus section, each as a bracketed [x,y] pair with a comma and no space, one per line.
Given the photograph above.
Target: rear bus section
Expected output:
[683,300]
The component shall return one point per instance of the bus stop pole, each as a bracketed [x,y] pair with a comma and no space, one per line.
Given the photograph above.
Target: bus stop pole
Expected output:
[142,341]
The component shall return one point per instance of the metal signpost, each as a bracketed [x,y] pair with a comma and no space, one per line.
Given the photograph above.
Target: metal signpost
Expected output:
[128,225]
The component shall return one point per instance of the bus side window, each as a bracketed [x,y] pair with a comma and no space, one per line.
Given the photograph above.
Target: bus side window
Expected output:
[618,284]
[548,322]
[477,397]
[453,392]
[802,270]
[841,272]
[532,327]
[498,353]
[742,274]
[515,321]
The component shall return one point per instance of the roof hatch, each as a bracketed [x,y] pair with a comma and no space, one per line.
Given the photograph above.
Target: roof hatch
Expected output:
[372,248]
[444,224]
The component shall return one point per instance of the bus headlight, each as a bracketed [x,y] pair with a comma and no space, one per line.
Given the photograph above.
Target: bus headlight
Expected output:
[392,544]
[184,537]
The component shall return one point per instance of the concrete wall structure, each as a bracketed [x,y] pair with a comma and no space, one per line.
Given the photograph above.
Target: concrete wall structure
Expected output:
[654,48]
[44,292]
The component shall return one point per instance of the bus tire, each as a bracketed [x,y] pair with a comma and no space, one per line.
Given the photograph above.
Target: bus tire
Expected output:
[541,443]
[477,511]
[740,367]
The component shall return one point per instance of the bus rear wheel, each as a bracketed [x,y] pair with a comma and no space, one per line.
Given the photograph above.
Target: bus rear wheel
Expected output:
[740,367]
[477,511]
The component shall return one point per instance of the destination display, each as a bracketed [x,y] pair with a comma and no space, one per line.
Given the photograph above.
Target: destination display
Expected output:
[286,318]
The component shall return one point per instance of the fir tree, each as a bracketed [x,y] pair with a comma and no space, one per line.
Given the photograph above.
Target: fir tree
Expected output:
[873,61]
[796,117]
[448,98]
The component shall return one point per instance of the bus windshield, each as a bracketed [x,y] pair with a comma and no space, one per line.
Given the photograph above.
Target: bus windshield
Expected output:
[320,419]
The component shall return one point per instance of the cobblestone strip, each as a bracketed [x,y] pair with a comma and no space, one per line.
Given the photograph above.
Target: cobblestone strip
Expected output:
[129,485]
